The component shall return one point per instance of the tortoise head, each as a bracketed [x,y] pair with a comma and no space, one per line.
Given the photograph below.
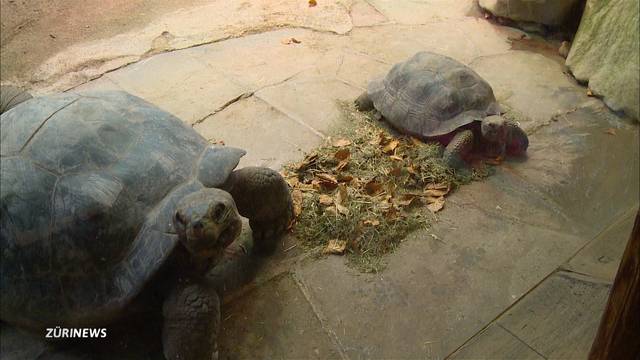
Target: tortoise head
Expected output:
[494,129]
[206,222]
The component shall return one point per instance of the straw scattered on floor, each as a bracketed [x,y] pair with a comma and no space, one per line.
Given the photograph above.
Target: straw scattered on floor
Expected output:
[366,189]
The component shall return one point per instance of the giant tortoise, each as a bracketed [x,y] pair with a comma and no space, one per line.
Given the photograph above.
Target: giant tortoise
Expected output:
[434,97]
[104,196]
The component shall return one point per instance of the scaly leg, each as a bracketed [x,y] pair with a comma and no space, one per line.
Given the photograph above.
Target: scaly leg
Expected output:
[458,149]
[191,322]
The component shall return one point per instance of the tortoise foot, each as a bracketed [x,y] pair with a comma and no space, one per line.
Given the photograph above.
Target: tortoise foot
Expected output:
[191,323]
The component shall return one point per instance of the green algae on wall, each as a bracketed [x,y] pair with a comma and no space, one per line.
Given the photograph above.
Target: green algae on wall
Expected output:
[606,51]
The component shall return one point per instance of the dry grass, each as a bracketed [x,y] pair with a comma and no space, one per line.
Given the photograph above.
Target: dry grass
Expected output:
[366,189]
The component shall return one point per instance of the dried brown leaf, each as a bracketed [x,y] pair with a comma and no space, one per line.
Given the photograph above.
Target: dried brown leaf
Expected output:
[325,200]
[371,222]
[335,247]
[436,192]
[396,157]
[341,142]
[342,195]
[611,131]
[307,162]
[312,3]
[296,197]
[342,165]
[396,171]
[372,187]
[342,154]
[390,147]
[436,205]
[344,178]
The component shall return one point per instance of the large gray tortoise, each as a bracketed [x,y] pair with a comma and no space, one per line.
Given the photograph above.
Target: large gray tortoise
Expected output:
[104,196]
[434,97]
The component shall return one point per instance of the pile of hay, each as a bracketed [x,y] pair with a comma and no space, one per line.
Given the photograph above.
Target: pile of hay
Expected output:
[363,191]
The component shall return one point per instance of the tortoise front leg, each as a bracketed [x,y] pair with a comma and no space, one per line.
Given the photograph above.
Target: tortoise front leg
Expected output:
[262,196]
[458,149]
[191,322]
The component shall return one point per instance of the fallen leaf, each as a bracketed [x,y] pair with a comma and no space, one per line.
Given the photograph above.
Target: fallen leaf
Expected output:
[292,181]
[436,192]
[611,131]
[396,157]
[371,222]
[589,92]
[325,200]
[342,195]
[342,209]
[312,3]
[391,213]
[372,187]
[436,205]
[296,197]
[381,139]
[342,165]
[289,41]
[342,154]
[335,247]
[327,177]
[406,200]
[390,147]
[344,178]
[396,171]
[341,142]
[307,162]
[438,186]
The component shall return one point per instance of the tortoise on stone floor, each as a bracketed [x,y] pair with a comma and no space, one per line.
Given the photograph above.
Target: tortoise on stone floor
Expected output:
[434,97]
[105,196]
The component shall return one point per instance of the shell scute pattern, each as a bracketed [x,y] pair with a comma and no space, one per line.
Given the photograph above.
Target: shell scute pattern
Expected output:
[431,95]
[82,175]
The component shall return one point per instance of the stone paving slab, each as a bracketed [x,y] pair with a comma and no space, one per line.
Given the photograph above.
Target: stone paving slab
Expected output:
[274,322]
[531,83]
[180,84]
[270,138]
[264,59]
[559,319]
[437,291]
[590,173]
[465,39]
[495,343]
[601,257]
[311,101]
[423,12]
[363,14]
[188,27]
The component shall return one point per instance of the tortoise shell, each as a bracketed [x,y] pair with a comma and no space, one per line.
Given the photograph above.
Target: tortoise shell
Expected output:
[87,186]
[431,95]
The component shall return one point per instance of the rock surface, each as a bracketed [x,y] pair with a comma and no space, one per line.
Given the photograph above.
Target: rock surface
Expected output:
[548,12]
[605,53]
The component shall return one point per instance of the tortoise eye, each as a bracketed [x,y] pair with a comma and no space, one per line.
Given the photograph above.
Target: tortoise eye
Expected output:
[218,212]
